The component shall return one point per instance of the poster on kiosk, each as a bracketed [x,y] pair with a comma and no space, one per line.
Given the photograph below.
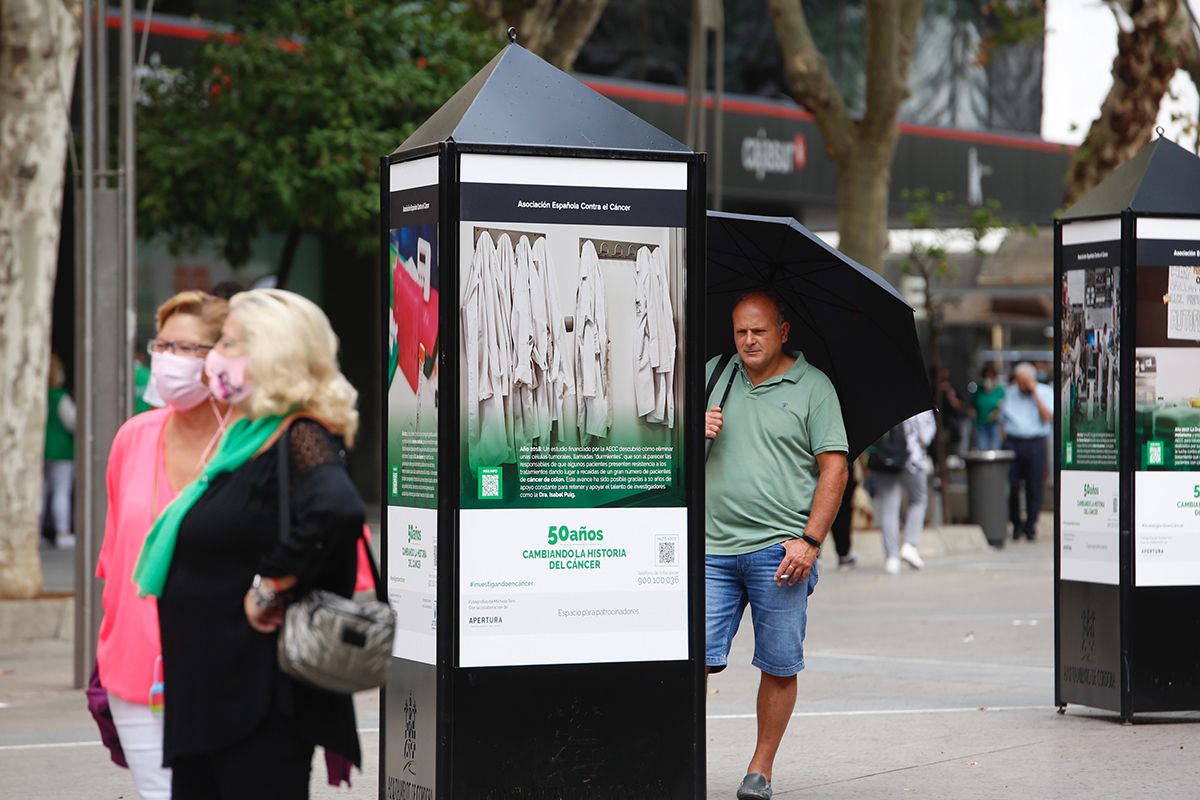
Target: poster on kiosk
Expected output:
[411,469]
[1089,402]
[1167,431]
[574,512]
[543,254]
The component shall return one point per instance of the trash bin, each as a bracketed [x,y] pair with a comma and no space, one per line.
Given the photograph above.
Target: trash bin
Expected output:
[987,492]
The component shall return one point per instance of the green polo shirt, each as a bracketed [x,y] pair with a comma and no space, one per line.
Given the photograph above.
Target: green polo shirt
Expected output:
[762,470]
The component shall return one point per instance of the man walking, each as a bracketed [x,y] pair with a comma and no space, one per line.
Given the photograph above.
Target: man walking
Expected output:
[1026,422]
[775,478]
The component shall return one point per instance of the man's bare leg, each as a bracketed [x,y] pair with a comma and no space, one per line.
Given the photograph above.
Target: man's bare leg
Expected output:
[776,701]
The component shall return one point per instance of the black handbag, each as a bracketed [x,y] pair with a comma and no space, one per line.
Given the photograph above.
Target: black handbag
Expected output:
[890,453]
[330,641]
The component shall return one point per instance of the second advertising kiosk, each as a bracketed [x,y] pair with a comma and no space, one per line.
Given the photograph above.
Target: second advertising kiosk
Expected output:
[1127,439]
[544,545]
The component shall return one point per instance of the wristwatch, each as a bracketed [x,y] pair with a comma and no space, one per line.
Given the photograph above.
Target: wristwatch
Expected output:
[263,592]
[815,542]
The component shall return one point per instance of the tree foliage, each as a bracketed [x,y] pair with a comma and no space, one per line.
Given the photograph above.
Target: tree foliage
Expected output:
[1009,22]
[280,125]
[1154,39]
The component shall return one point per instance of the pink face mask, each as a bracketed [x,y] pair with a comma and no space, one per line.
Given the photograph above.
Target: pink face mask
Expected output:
[178,380]
[227,378]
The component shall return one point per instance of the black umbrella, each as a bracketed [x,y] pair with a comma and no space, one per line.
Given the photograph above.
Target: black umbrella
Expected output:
[847,320]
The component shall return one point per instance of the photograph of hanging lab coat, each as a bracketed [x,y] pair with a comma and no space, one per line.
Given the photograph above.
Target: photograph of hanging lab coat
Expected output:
[539,382]
[592,349]
[538,328]
[549,357]
[486,358]
[517,363]
[654,347]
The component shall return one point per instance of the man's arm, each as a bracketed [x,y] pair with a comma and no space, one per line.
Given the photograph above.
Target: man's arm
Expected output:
[1044,410]
[1002,414]
[827,499]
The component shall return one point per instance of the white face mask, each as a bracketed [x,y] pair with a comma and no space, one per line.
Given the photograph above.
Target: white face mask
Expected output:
[178,380]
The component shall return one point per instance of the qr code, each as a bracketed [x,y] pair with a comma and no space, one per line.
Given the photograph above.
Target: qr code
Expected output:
[489,484]
[667,555]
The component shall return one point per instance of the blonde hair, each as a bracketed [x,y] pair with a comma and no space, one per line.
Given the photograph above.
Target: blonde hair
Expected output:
[57,374]
[209,309]
[291,353]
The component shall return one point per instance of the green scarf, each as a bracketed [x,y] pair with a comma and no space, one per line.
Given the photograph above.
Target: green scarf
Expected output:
[239,444]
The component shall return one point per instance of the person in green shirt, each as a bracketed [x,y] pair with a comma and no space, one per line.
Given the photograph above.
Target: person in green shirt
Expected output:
[985,407]
[59,480]
[141,380]
[774,481]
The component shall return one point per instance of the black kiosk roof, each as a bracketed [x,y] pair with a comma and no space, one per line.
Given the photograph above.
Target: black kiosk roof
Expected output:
[519,99]
[1161,179]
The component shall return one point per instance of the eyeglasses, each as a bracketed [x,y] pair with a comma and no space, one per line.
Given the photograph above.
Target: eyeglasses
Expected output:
[179,348]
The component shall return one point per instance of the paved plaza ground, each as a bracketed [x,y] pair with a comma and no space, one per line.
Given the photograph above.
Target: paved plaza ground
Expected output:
[932,684]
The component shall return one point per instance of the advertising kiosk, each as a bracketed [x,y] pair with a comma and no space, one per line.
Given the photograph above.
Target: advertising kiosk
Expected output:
[1127,439]
[543,252]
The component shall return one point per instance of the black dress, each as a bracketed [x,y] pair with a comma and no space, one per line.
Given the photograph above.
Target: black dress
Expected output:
[221,676]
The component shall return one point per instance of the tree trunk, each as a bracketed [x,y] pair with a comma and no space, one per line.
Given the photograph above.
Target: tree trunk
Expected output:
[863,184]
[940,468]
[1146,60]
[576,21]
[556,31]
[39,47]
[862,149]
[287,257]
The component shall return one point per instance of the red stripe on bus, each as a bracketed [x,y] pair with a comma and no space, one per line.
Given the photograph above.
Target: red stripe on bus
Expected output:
[740,106]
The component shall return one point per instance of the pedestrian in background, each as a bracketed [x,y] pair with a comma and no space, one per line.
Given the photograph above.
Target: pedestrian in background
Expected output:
[59,454]
[900,464]
[153,455]
[843,524]
[141,385]
[955,413]
[1027,421]
[223,562]
[985,406]
[775,476]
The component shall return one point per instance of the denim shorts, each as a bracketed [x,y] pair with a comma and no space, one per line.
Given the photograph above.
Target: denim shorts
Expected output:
[779,612]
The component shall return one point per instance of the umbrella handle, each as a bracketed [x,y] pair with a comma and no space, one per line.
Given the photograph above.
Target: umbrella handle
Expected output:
[708,443]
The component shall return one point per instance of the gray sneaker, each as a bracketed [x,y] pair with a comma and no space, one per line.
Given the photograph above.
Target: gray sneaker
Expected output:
[755,786]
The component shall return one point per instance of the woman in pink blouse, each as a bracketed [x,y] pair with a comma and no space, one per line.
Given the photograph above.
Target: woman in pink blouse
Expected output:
[153,456]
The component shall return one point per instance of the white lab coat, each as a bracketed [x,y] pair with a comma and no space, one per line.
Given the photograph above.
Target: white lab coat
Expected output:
[558,379]
[525,421]
[654,339]
[592,349]
[486,360]
[505,266]
[645,336]
[664,368]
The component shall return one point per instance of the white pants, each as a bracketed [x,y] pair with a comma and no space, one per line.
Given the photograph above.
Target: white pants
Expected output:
[141,732]
[56,494]
[888,488]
